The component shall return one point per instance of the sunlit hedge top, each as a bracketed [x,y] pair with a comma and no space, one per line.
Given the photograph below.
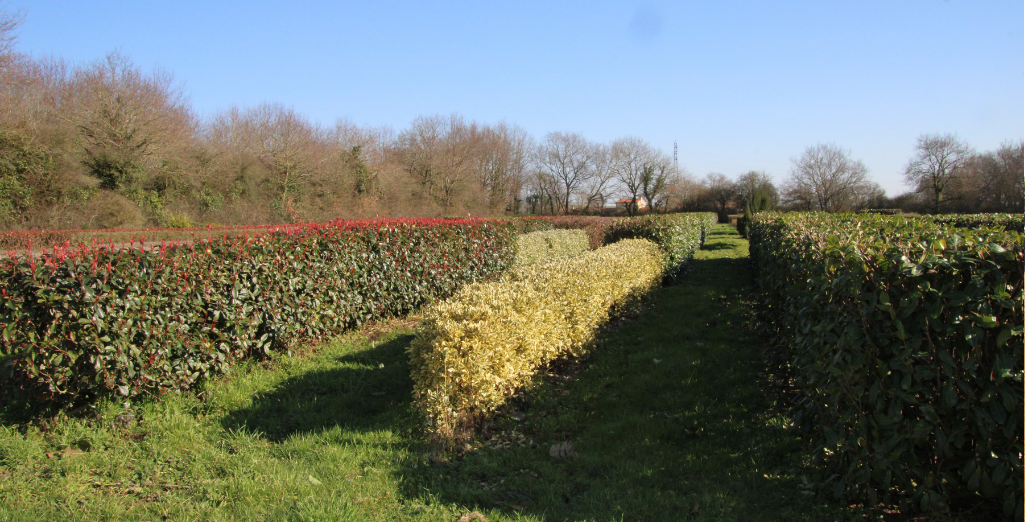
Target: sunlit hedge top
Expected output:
[549,245]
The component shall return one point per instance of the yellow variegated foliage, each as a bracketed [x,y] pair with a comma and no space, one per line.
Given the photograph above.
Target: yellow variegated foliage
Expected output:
[548,245]
[474,350]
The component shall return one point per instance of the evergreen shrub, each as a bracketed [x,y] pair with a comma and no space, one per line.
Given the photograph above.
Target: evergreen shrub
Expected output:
[77,323]
[474,350]
[904,337]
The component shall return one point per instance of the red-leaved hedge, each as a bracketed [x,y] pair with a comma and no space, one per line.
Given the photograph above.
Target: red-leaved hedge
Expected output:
[83,322]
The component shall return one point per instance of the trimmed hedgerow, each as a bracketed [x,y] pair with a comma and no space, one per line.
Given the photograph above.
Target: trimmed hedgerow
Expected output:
[1008,222]
[678,235]
[86,322]
[549,245]
[904,337]
[474,350]
[526,225]
[595,226]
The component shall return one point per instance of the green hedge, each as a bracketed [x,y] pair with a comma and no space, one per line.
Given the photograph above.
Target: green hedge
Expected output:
[905,338]
[1008,222]
[95,321]
[678,235]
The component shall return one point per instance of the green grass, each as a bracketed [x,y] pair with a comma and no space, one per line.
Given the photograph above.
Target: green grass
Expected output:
[669,419]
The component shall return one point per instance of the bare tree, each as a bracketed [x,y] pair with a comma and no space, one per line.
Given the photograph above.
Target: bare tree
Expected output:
[566,159]
[630,157]
[938,161]
[124,118]
[598,187]
[488,162]
[825,178]
[436,152]
[993,181]
[542,193]
[286,144]
[721,192]
[518,147]
[681,191]
[359,154]
[231,135]
[498,158]
[372,141]
[868,195]
[9,23]
[655,179]
[1007,188]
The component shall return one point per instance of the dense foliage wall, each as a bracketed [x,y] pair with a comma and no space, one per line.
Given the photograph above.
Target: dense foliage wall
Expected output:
[548,245]
[678,235]
[474,350]
[81,322]
[905,338]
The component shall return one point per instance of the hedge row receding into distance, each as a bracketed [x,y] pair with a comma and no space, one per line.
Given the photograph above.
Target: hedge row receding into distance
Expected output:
[1009,222]
[904,337]
[678,235]
[474,350]
[82,322]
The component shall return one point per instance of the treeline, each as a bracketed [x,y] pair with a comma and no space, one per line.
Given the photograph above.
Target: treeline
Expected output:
[106,145]
[947,176]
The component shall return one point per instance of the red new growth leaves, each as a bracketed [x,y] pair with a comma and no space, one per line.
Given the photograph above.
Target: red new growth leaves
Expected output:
[102,319]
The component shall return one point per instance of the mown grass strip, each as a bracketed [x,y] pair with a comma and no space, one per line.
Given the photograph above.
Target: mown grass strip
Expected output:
[670,419]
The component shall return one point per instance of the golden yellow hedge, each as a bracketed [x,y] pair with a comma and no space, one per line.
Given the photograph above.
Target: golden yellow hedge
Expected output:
[548,245]
[474,350]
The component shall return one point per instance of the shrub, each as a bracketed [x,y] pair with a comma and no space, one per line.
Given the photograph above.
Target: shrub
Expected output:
[678,235]
[83,322]
[115,211]
[172,220]
[474,350]
[595,226]
[549,245]
[526,225]
[1008,222]
[744,220]
[905,339]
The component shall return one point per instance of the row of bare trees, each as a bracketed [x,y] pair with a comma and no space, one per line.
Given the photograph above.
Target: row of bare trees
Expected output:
[572,173]
[107,145]
[826,178]
[947,175]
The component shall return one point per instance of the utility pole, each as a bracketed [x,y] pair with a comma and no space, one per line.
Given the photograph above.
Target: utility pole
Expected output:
[676,160]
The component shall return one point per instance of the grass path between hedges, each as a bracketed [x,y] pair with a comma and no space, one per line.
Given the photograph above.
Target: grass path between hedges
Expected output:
[669,419]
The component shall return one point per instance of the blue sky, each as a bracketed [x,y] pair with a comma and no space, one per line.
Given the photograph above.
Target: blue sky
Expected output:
[740,85]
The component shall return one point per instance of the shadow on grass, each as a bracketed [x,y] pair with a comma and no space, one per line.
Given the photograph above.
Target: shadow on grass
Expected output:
[717,246]
[18,407]
[670,420]
[371,390]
